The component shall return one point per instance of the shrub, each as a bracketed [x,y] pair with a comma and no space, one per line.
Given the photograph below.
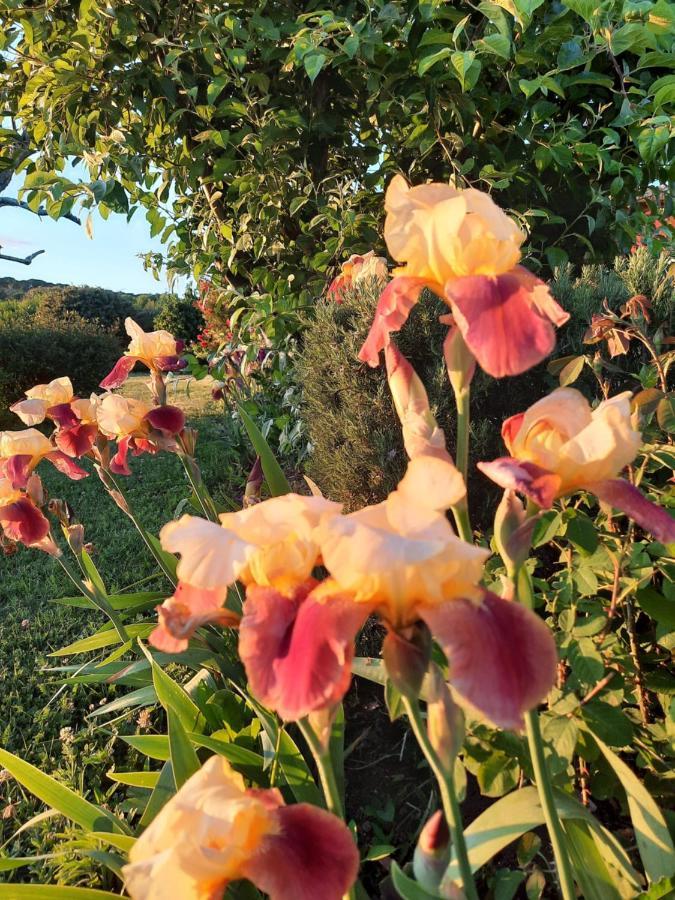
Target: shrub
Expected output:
[357,454]
[35,354]
[105,309]
[180,316]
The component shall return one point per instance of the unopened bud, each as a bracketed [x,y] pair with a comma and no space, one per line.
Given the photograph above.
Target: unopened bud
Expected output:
[188,440]
[120,501]
[513,531]
[406,655]
[432,853]
[253,484]
[459,360]
[445,720]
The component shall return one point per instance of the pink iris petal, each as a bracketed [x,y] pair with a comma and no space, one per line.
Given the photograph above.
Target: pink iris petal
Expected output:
[168,419]
[63,414]
[23,521]
[169,363]
[393,309]
[76,441]
[502,656]
[624,496]
[66,466]
[511,427]
[118,464]
[119,374]
[527,478]
[312,857]
[17,469]
[181,615]
[506,320]
[297,650]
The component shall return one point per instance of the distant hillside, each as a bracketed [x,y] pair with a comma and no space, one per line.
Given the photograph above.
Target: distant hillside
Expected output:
[15,288]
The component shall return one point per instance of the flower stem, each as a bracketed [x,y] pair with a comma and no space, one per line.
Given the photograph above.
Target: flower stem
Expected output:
[541,772]
[551,817]
[197,483]
[448,796]
[112,486]
[324,765]
[461,510]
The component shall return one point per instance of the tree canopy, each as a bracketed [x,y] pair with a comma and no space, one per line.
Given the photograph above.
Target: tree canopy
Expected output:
[257,137]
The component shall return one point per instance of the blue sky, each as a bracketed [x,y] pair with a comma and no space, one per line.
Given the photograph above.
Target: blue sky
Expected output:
[109,260]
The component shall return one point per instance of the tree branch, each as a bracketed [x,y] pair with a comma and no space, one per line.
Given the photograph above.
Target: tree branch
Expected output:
[25,261]
[18,204]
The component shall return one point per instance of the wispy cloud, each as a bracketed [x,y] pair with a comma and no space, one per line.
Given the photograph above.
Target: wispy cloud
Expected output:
[13,242]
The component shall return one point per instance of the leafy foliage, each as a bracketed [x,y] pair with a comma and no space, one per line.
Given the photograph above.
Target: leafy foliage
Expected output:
[273,127]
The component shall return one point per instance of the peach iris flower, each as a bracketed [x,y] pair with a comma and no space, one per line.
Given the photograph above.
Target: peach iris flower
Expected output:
[270,548]
[215,831]
[137,427]
[75,418]
[463,247]
[560,445]
[158,350]
[357,268]
[21,451]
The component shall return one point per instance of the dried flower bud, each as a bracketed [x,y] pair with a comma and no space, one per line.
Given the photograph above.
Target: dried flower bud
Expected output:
[75,535]
[445,720]
[406,655]
[253,484]
[432,853]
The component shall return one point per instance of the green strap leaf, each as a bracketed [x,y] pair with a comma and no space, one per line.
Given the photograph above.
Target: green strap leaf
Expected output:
[174,698]
[651,832]
[184,760]
[85,814]
[406,887]
[274,476]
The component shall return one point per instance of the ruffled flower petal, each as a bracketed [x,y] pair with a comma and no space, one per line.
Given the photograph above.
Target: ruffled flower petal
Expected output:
[23,521]
[298,649]
[181,615]
[540,485]
[31,411]
[507,320]
[211,556]
[624,496]
[66,466]
[502,656]
[76,441]
[167,419]
[63,414]
[119,374]
[17,469]
[391,314]
[119,464]
[169,363]
[312,857]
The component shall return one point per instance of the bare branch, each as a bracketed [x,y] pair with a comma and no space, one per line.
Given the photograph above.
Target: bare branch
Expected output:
[25,261]
[18,204]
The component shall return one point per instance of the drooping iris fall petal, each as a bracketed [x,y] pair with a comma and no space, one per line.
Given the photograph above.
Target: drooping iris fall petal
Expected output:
[529,479]
[626,497]
[391,314]
[119,464]
[119,373]
[506,320]
[181,615]
[297,649]
[167,419]
[502,656]
[23,521]
[76,441]
[66,466]
[312,857]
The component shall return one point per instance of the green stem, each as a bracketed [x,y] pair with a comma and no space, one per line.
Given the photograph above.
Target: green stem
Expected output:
[100,603]
[324,765]
[198,486]
[461,511]
[541,773]
[551,817]
[329,785]
[448,796]
[129,510]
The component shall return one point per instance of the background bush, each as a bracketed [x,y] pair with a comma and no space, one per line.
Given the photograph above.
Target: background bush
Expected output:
[357,454]
[33,354]
[180,316]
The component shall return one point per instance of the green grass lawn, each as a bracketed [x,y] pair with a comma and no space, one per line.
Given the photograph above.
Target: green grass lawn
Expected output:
[34,711]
